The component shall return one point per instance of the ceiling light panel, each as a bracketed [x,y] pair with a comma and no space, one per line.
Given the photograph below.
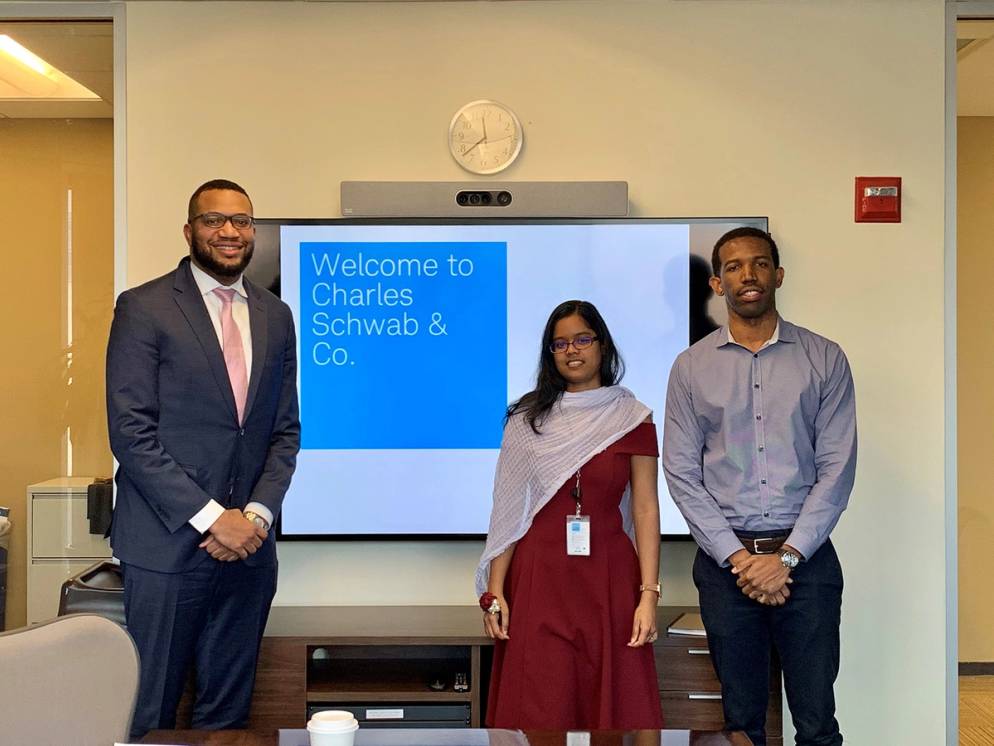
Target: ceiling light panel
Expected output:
[26,76]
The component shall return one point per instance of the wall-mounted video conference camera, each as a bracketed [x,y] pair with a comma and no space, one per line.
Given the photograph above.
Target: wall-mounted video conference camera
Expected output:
[492,199]
[483,199]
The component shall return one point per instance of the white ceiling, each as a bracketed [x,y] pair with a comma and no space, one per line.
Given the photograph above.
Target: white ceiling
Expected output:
[83,50]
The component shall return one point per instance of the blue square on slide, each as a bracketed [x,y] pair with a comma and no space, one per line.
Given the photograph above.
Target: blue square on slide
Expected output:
[403,345]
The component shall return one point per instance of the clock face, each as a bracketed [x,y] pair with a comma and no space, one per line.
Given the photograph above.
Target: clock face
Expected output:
[485,137]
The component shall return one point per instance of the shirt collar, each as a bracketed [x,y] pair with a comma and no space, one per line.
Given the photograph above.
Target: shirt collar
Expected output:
[725,337]
[206,283]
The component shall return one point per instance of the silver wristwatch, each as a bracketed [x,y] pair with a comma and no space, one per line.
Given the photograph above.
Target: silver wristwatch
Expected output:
[789,560]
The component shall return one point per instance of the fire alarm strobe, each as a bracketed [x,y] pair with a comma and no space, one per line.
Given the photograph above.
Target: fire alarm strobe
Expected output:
[878,199]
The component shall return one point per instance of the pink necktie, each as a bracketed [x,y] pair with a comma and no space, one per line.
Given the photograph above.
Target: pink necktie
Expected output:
[234,353]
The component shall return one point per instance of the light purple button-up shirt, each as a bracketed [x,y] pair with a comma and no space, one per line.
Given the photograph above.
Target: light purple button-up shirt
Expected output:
[760,441]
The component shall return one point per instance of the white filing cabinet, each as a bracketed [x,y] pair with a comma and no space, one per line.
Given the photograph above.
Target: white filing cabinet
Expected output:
[59,541]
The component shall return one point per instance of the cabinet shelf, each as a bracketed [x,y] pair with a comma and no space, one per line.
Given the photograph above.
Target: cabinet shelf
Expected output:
[385,695]
[387,673]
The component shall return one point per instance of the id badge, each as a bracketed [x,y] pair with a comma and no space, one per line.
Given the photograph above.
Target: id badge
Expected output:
[578,535]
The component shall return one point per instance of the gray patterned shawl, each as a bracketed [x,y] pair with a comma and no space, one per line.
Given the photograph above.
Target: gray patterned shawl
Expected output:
[533,466]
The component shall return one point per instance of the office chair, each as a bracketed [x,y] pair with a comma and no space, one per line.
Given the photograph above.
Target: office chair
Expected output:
[72,680]
[99,589]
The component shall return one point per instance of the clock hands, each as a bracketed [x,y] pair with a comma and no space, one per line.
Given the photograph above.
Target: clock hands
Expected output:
[478,142]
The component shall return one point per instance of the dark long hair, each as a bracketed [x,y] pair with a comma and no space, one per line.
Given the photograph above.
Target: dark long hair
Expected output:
[549,384]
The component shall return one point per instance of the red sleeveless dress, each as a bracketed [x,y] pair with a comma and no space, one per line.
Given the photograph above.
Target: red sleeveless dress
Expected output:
[567,664]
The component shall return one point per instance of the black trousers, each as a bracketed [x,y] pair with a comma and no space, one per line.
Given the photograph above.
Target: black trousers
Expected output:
[804,632]
[211,618]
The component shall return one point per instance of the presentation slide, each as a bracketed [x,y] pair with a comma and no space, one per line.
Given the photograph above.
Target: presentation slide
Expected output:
[414,338]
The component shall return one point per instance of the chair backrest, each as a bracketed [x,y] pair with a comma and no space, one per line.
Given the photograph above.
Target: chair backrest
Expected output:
[99,589]
[72,680]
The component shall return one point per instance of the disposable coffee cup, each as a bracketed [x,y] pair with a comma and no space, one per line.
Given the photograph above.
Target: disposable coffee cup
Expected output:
[332,728]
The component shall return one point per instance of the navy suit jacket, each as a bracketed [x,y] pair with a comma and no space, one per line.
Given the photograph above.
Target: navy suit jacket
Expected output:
[173,425]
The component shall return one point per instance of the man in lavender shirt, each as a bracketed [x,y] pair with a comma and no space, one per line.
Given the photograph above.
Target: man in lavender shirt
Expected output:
[759,451]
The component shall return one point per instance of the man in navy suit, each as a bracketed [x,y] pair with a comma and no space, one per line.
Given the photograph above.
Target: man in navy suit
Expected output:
[203,419]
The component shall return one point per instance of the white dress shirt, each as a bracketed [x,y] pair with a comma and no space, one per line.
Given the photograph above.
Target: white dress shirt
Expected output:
[205,518]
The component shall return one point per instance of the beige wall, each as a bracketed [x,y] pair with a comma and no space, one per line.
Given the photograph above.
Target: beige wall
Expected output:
[40,160]
[711,108]
[975,228]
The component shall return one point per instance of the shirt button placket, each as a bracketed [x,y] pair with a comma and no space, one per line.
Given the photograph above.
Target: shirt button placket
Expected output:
[757,406]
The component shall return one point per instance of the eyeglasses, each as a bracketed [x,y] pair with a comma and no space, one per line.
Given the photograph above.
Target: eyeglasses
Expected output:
[240,220]
[579,342]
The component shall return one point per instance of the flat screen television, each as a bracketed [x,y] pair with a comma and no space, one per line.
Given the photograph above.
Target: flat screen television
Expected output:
[414,335]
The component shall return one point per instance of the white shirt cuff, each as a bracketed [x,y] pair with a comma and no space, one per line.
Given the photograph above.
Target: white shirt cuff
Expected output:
[262,511]
[204,519]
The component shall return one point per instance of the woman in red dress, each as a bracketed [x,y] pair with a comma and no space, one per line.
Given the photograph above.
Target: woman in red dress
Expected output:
[574,495]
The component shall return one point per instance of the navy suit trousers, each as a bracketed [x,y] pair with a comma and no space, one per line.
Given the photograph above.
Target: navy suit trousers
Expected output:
[210,618]
[804,632]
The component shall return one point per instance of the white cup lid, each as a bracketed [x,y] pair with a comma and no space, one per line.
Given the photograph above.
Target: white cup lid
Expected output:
[332,721]
[332,730]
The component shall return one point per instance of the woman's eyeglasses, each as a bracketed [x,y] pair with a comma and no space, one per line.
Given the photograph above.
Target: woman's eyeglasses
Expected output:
[579,342]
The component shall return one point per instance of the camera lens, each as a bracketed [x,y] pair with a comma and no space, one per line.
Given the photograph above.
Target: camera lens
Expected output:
[503,198]
[474,198]
[462,198]
[487,198]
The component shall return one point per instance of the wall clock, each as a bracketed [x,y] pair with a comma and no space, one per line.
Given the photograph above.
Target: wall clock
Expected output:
[485,137]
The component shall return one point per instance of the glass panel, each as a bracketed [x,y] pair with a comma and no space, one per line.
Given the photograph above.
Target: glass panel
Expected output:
[57,243]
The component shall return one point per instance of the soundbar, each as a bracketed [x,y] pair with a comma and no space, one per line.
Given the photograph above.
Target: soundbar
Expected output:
[484,199]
